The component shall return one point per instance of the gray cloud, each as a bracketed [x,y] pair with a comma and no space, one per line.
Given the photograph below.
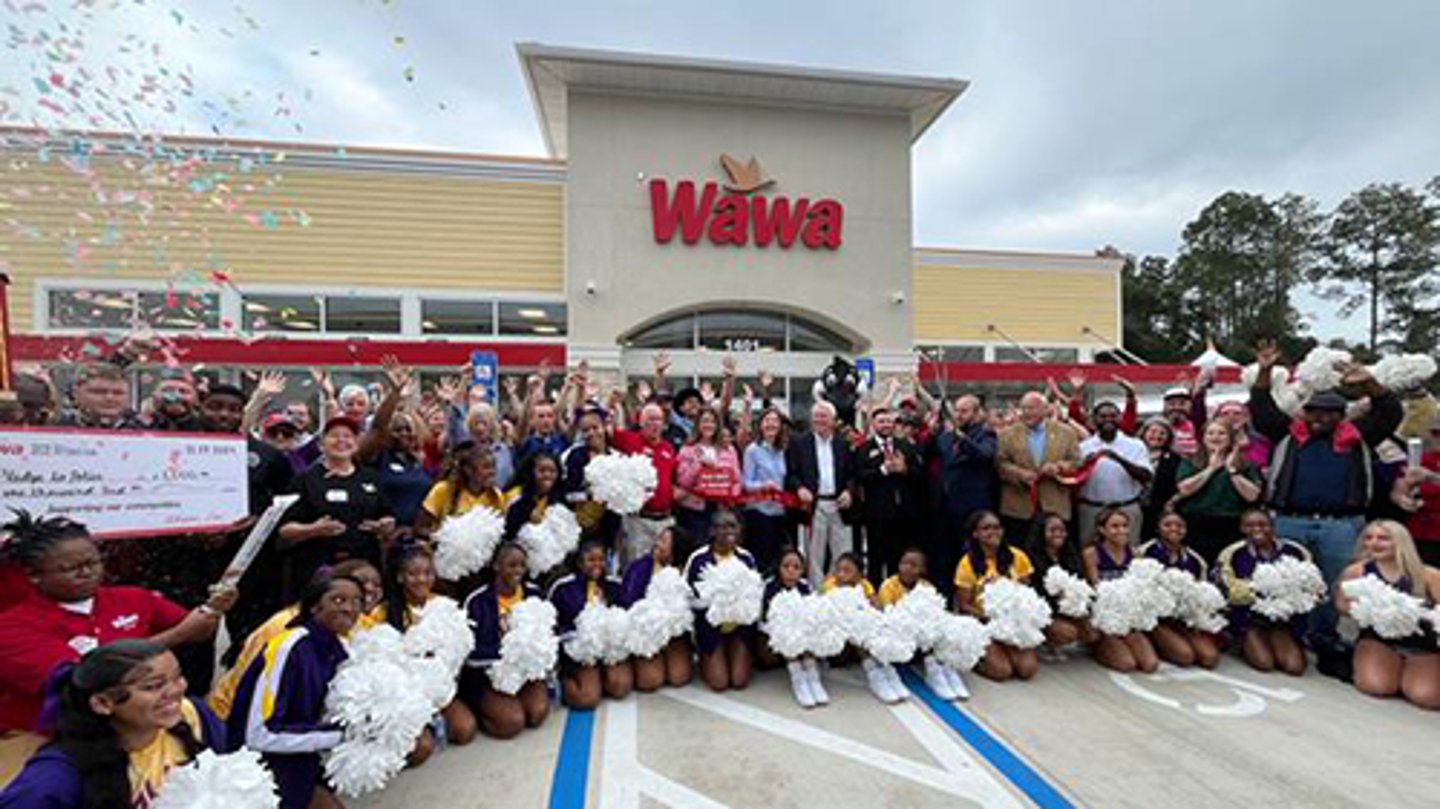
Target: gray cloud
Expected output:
[1086,123]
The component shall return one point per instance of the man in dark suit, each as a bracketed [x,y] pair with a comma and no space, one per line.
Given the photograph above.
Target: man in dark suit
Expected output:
[887,467]
[820,470]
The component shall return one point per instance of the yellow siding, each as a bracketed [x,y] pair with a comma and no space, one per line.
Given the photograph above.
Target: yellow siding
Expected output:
[955,304]
[367,228]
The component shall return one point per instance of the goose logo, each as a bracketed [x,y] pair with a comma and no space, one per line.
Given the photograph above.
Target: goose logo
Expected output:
[739,215]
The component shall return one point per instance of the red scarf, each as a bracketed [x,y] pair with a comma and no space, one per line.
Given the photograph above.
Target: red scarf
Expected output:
[1344,439]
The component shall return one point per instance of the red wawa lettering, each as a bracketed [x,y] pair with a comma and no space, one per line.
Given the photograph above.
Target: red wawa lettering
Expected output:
[736,219]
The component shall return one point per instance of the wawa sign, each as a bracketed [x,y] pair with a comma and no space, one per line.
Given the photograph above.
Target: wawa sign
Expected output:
[740,215]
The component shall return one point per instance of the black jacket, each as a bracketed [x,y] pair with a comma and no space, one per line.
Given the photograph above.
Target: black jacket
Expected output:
[802,468]
[888,495]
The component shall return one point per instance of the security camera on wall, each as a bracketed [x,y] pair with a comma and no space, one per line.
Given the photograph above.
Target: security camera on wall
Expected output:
[897,297]
[589,287]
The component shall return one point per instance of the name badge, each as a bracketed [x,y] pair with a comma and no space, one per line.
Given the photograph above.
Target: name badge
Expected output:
[337,496]
[82,644]
[396,467]
[126,621]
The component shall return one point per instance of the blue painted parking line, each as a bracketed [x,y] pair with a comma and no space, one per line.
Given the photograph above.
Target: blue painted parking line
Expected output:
[1021,775]
[572,766]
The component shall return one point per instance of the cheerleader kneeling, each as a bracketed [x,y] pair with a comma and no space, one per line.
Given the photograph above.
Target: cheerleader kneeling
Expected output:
[1176,643]
[500,715]
[1408,667]
[583,684]
[674,664]
[726,660]
[1106,559]
[882,678]
[804,670]
[990,557]
[1265,644]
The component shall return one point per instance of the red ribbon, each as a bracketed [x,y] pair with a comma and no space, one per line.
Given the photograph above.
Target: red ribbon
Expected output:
[1078,479]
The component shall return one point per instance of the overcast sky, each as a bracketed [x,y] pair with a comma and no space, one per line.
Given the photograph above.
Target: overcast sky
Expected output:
[1086,123]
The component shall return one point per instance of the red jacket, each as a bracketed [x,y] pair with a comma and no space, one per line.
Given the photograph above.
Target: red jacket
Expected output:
[38,634]
[662,456]
[1425,523]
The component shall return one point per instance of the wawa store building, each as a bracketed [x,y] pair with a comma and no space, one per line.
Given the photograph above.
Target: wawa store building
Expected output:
[698,207]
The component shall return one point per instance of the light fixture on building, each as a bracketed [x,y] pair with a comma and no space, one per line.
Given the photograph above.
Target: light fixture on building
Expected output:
[546,329]
[302,325]
[531,314]
[256,307]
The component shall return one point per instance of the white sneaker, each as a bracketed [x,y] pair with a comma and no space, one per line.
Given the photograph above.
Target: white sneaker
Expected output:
[879,684]
[897,686]
[957,683]
[817,688]
[800,684]
[937,681]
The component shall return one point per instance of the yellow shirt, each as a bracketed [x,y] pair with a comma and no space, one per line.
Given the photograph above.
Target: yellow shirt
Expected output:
[150,764]
[442,494]
[507,603]
[830,583]
[965,578]
[893,591]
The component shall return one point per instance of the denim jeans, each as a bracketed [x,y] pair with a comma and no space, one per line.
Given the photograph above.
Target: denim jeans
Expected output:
[1331,542]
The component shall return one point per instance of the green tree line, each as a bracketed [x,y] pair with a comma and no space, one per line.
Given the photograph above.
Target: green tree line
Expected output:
[1243,258]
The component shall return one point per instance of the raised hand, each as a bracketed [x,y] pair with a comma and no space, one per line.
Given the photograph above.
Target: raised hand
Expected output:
[399,375]
[727,367]
[449,389]
[1077,380]
[661,361]
[322,381]
[643,391]
[1267,354]
[271,384]
[766,379]
[1125,384]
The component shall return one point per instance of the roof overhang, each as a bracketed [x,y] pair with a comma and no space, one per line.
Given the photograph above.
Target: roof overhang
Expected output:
[550,72]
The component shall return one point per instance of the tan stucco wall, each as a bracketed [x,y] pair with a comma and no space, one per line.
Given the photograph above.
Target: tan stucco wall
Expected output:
[618,143]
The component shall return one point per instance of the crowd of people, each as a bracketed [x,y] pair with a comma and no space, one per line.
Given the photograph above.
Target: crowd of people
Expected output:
[106,673]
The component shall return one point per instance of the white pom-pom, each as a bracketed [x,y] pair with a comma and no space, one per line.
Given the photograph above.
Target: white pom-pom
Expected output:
[465,543]
[850,616]
[529,649]
[1403,372]
[892,637]
[602,633]
[661,615]
[732,592]
[1016,614]
[623,482]
[1073,594]
[238,780]
[1287,587]
[547,542]
[1197,604]
[1134,602]
[832,618]
[1383,609]
[382,708]
[1321,368]
[924,610]
[437,644]
[963,641]
[787,624]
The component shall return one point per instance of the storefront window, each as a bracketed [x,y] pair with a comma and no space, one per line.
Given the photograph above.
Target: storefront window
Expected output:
[362,315]
[457,317]
[1047,355]
[677,332]
[180,310]
[934,353]
[282,313]
[91,309]
[524,319]
[741,331]
[806,335]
